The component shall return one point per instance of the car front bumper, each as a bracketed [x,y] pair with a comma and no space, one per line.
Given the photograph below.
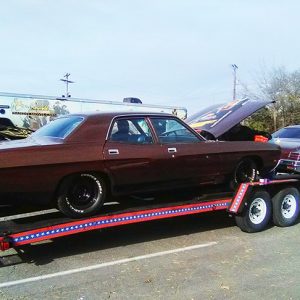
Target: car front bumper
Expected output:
[289,166]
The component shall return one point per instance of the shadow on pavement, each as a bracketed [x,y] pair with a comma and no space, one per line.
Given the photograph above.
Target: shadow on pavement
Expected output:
[46,252]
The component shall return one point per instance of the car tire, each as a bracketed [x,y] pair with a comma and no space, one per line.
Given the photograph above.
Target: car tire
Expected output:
[256,214]
[81,195]
[286,207]
[245,171]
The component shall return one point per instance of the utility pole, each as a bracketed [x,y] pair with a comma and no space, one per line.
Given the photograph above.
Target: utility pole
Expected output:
[67,81]
[234,67]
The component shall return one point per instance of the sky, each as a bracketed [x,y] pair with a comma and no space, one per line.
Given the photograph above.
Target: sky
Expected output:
[165,52]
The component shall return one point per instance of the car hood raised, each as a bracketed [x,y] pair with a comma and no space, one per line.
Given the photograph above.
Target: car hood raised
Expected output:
[219,118]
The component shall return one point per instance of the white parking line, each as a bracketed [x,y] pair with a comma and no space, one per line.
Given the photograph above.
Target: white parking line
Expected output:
[29,214]
[38,212]
[107,264]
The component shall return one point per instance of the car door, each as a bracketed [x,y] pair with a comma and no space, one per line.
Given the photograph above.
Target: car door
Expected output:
[131,158]
[187,159]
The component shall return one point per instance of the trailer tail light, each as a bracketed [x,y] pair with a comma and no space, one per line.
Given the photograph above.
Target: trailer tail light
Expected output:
[4,244]
[260,138]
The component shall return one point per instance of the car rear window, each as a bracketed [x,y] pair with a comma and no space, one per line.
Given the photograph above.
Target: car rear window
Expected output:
[59,128]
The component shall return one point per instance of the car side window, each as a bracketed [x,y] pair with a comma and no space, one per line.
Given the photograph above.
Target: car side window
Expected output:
[131,130]
[172,131]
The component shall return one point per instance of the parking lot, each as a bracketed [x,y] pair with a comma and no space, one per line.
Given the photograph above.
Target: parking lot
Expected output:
[196,257]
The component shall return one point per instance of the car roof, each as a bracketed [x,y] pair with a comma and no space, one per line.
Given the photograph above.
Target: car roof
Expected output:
[102,120]
[293,126]
[112,114]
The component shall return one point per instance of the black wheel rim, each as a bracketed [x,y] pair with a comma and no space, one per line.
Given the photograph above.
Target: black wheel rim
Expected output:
[245,172]
[83,192]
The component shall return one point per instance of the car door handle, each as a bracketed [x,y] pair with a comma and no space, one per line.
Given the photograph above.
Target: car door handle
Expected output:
[172,150]
[113,151]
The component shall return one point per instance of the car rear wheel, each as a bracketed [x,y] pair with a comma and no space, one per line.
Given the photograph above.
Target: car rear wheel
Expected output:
[81,195]
[245,171]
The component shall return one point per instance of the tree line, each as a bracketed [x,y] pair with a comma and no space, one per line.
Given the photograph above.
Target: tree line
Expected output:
[282,87]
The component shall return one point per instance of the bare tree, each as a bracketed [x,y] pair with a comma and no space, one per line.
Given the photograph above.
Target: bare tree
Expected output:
[283,88]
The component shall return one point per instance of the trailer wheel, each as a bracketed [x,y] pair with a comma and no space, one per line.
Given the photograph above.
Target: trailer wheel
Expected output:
[81,195]
[245,171]
[256,214]
[286,207]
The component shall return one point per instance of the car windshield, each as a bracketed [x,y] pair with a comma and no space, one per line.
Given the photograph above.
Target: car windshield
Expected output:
[59,128]
[287,133]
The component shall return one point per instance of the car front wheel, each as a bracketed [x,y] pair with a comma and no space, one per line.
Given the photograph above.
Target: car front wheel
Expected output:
[245,171]
[81,195]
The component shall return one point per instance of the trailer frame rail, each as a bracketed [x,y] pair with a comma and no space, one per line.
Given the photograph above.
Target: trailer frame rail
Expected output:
[8,240]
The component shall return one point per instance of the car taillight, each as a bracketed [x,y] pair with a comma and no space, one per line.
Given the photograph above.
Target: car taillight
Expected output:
[260,138]
[294,155]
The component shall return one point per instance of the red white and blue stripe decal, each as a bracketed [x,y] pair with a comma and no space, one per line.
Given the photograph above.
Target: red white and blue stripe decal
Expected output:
[115,220]
[236,203]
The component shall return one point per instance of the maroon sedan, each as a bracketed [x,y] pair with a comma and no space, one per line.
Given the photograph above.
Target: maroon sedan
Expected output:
[77,161]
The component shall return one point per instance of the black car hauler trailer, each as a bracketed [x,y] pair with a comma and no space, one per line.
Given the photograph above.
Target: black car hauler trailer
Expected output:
[253,205]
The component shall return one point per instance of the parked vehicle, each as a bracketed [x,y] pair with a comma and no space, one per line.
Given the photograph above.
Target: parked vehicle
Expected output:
[8,131]
[288,138]
[77,161]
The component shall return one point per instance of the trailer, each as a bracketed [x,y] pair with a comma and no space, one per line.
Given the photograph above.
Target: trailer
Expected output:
[253,206]
[24,113]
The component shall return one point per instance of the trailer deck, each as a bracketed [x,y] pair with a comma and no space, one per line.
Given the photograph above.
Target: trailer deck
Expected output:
[32,229]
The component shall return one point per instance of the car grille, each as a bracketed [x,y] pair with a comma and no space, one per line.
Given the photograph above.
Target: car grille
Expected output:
[294,155]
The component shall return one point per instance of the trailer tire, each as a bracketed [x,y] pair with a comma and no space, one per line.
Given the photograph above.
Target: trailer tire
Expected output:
[245,171]
[286,207]
[81,195]
[257,213]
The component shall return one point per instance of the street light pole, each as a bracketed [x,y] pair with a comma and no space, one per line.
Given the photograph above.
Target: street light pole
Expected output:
[234,67]
[67,81]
